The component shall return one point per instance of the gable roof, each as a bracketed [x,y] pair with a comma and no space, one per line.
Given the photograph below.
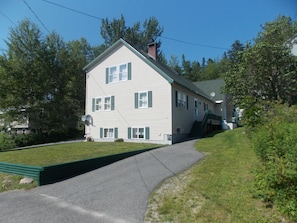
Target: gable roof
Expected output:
[166,72]
[212,86]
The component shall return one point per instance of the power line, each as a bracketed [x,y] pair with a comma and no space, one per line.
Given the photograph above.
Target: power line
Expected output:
[195,44]
[74,10]
[169,38]
[36,16]
[7,18]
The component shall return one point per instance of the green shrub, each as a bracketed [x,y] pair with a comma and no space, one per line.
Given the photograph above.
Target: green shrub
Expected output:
[119,140]
[6,142]
[275,143]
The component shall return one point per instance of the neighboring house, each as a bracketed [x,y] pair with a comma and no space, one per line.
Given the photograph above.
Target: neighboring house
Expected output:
[294,48]
[131,95]
[214,88]
[15,127]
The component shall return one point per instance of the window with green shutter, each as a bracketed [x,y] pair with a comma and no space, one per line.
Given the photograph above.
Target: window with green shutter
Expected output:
[118,73]
[103,103]
[143,99]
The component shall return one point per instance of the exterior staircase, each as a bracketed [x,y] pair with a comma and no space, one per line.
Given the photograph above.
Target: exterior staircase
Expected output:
[196,130]
[209,123]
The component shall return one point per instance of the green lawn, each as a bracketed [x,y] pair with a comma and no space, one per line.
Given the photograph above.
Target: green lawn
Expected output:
[220,188]
[62,153]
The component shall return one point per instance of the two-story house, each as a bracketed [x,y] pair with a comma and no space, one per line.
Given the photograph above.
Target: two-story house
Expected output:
[131,95]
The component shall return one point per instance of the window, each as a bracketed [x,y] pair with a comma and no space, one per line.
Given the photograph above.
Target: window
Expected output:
[98,105]
[139,133]
[123,72]
[196,109]
[181,100]
[112,74]
[143,99]
[118,73]
[205,106]
[109,133]
[103,103]
[107,103]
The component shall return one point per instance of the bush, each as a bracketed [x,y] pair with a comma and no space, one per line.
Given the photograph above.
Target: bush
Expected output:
[275,143]
[119,140]
[6,142]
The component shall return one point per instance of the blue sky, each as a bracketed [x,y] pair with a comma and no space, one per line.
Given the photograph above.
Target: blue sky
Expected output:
[200,28]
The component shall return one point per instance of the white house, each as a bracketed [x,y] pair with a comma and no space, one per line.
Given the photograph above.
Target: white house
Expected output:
[131,95]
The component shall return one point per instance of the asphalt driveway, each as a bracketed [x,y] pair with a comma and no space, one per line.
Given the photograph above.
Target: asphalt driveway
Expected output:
[115,193]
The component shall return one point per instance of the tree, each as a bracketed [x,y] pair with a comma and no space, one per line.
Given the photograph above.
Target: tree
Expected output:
[26,83]
[44,80]
[267,70]
[236,48]
[174,64]
[112,31]
[186,68]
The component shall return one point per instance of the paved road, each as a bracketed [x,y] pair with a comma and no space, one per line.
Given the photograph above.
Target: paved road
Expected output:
[115,193]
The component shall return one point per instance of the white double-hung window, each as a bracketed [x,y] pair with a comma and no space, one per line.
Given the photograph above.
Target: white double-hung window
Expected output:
[108,133]
[143,99]
[112,74]
[123,72]
[98,104]
[138,133]
[181,100]
[118,73]
[106,103]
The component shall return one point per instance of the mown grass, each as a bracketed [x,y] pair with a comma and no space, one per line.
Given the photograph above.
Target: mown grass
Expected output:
[62,153]
[11,182]
[220,188]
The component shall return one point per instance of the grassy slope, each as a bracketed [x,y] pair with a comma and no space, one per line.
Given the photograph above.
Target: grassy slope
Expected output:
[218,189]
[62,153]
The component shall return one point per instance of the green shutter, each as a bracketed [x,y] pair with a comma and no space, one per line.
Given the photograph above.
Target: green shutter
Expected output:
[93,104]
[147,132]
[101,133]
[115,133]
[187,102]
[176,100]
[112,103]
[129,133]
[129,71]
[150,99]
[136,99]
[107,76]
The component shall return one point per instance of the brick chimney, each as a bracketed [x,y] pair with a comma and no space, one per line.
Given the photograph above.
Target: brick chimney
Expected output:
[152,50]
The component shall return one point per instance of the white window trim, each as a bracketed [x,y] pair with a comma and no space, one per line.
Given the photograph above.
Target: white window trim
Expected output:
[100,108]
[196,108]
[117,73]
[135,127]
[181,99]
[147,99]
[103,103]
[106,103]
[108,133]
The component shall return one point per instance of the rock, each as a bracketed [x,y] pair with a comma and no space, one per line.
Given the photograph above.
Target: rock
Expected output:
[26,180]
